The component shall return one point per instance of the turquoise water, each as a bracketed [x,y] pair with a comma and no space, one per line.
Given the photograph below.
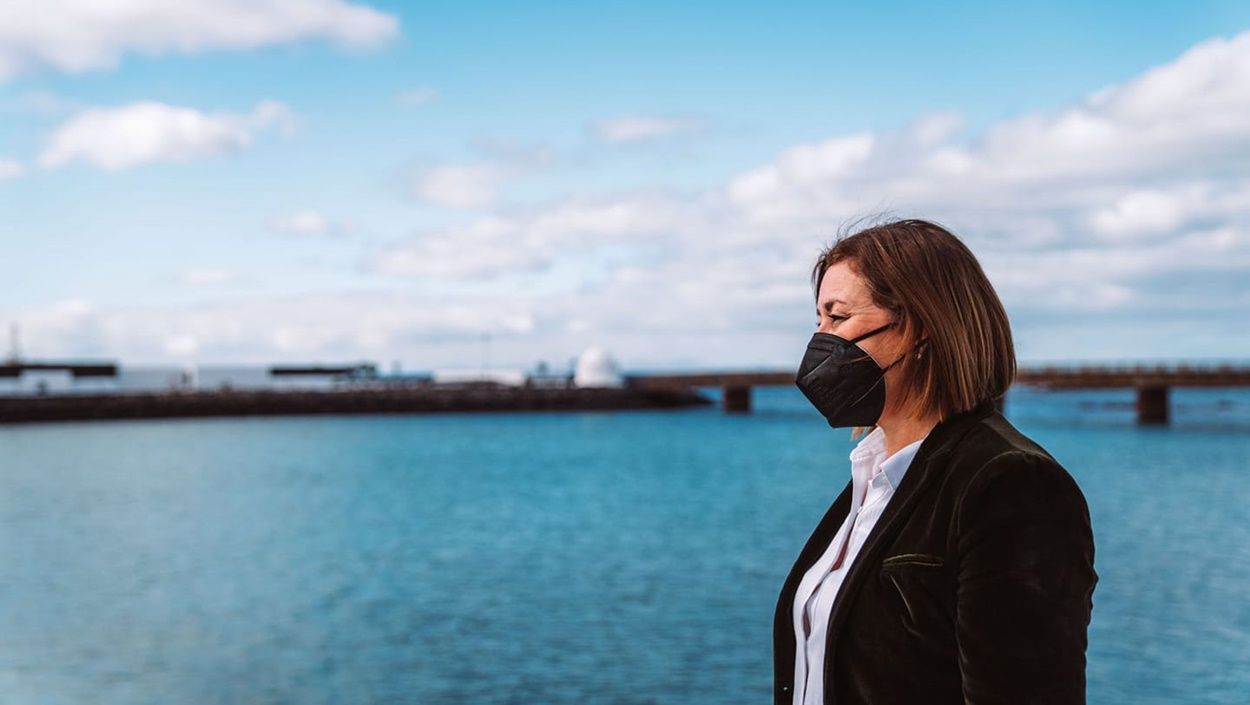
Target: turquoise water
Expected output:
[546,558]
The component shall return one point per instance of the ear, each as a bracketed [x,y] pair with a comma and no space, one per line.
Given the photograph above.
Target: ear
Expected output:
[921,344]
[922,337]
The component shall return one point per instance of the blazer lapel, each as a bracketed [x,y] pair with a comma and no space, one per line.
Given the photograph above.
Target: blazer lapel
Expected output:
[921,473]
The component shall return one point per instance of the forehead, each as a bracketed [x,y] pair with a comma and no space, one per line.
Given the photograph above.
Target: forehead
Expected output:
[840,284]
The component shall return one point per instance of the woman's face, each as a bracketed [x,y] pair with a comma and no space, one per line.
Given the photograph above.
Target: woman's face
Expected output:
[845,308]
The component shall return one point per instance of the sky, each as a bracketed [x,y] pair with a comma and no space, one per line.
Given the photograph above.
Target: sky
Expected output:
[443,185]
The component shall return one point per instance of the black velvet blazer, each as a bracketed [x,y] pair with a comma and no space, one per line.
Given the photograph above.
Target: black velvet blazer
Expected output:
[974,586]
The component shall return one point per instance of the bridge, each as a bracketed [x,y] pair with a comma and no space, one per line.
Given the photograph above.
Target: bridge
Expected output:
[1151,382]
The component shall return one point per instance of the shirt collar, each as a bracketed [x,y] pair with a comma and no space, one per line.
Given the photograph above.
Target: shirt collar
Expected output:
[871,448]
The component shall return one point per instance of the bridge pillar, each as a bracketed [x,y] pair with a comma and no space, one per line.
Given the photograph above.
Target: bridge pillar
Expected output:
[1152,405]
[736,399]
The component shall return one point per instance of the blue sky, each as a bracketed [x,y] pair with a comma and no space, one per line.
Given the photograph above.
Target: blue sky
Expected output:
[240,182]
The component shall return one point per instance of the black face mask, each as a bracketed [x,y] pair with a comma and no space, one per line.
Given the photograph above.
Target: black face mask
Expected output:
[842,381]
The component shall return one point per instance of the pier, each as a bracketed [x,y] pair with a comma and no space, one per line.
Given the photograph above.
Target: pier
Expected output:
[1151,382]
[388,399]
[735,386]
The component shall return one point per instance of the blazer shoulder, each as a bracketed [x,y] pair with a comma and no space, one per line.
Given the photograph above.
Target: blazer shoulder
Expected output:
[996,460]
[995,445]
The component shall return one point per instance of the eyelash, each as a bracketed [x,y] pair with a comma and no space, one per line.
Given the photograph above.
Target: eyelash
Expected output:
[833,318]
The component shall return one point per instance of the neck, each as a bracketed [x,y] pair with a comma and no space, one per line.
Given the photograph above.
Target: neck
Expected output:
[901,431]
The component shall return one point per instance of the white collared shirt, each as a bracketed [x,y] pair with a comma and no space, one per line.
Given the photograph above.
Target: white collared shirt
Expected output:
[874,478]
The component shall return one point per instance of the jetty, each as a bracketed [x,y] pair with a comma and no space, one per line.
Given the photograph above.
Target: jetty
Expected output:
[391,399]
[35,391]
[1153,382]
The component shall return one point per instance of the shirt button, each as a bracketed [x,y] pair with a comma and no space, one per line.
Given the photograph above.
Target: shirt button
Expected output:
[785,688]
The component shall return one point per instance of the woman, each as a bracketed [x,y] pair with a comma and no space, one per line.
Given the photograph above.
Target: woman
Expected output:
[957,565]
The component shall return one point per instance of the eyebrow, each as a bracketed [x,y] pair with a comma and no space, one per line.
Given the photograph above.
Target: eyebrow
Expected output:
[829,304]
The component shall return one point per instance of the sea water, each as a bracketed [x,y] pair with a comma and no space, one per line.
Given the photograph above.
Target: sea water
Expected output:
[533,558]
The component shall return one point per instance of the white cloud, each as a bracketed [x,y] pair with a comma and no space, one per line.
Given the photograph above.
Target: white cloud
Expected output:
[305,222]
[460,185]
[180,345]
[477,184]
[207,276]
[10,168]
[328,327]
[476,250]
[1146,211]
[43,102]
[117,138]
[83,35]
[1180,122]
[414,97]
[1179,119]
[642,128]
[496,245]
[790,186]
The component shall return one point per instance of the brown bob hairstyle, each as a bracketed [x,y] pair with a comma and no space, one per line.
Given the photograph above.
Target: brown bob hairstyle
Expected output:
[938,294]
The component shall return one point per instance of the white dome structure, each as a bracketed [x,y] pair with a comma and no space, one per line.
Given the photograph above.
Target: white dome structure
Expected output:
[595,368]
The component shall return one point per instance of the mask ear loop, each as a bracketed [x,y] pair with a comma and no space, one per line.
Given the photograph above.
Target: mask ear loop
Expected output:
[874,331]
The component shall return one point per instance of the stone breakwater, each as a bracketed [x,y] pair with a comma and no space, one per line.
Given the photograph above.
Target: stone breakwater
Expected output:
[405,399]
